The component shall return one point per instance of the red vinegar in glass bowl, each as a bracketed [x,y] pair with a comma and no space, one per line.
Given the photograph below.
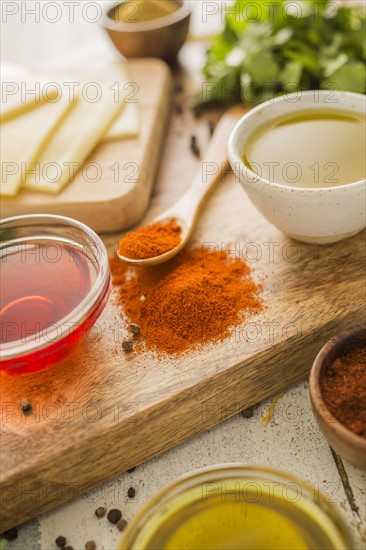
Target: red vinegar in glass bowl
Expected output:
[55,282]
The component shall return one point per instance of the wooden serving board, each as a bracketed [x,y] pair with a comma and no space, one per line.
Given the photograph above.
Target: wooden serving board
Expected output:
[103,411]
[126,168]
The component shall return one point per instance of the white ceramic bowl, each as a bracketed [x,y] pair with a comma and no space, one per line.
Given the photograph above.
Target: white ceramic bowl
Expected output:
[317,215]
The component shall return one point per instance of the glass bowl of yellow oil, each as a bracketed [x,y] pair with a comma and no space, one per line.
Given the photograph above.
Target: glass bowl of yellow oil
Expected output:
[236,507]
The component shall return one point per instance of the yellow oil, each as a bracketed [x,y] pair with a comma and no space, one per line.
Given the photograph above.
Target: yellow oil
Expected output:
[137,11]
[312,149]
[255,515]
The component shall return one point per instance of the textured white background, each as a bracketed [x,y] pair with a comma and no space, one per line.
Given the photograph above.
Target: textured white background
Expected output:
[290,442]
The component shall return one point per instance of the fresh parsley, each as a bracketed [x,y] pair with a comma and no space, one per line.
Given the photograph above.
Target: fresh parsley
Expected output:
[271,47]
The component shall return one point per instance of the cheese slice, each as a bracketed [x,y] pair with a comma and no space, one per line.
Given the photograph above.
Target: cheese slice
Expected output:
[23,139]
[20,92]
[126,126]
[12,106]
[127,123]
[80,132]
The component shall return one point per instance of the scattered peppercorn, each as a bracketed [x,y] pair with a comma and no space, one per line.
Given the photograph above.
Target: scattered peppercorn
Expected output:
[26,407]
[11,534]
[194,147]
[196,112]
[127,345]
[211,127]
[122,524]
[100,512]
[248,413]
[131,492]
[178,88]
[60,541]
[135,329]
[90,545]
[114,515]
[131,470]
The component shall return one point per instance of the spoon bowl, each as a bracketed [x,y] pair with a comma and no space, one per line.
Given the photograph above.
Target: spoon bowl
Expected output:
[186,210]
[156,260]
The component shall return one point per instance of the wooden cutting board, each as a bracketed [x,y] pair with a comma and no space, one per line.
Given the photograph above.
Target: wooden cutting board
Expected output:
[103,411]
[126,168]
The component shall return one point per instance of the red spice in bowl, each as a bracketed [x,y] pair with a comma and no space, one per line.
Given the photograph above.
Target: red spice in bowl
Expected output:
[337,391]
[196,297]
[343,386]
[151,241]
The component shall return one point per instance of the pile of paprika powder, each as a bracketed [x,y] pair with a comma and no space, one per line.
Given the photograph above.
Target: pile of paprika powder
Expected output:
[197,297]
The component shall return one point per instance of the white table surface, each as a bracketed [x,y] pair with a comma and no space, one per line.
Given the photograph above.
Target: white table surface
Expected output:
[291,441]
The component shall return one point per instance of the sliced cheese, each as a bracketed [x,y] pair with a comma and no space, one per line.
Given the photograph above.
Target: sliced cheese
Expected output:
[80,132]
[13,104]
[126,126]
[127,123]
[20,92]
[23,139]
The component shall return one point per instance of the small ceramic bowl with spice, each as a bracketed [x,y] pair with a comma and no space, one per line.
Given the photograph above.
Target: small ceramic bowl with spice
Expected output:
[148,28]
[55,282]
[338,394]
[300,159]
[236,506]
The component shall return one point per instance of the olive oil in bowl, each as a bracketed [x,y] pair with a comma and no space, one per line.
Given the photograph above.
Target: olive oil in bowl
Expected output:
[312,149]
[300,160]
[138,11]
[233,507]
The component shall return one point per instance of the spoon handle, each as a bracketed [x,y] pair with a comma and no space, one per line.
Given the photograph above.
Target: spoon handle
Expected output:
[213,168]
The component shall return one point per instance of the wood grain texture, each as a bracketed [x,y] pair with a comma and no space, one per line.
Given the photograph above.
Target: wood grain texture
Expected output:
[126,168]
[103,411]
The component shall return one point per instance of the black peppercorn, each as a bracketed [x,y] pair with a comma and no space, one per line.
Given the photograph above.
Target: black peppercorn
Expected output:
[122,524]
[100,512]
[114,515]
[131,492]
[127,345]
[11,534]
[135,329]
[26,407]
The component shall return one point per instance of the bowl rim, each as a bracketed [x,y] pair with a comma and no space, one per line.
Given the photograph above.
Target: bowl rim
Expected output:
[321,410]
[230,470]
[183,11]
[71,321]
[235,157]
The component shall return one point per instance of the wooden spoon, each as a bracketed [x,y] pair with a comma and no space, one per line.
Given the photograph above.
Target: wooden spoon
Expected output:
[187,208]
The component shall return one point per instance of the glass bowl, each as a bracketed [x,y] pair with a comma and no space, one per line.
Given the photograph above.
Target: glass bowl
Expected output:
[55,282]
[234,507]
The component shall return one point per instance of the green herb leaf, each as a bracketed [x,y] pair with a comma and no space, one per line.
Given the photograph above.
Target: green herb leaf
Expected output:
[330,66]
[291,74]
[351,77]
